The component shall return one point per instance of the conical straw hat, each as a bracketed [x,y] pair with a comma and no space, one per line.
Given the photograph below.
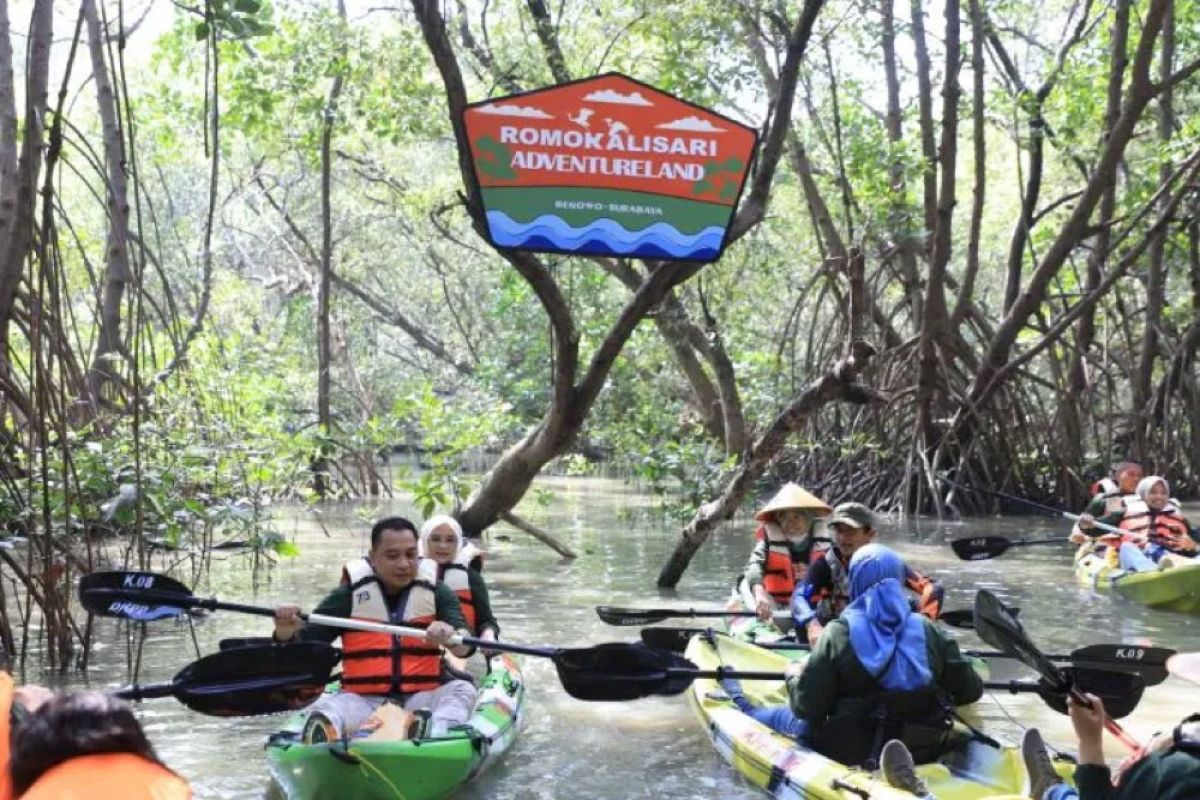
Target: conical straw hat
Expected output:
[1185,665]
[792,496]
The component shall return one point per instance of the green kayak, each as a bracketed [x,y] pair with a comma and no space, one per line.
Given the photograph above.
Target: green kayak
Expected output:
[1173,589]
[421,769]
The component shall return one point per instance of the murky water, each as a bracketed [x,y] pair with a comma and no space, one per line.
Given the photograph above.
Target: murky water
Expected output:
[648,748]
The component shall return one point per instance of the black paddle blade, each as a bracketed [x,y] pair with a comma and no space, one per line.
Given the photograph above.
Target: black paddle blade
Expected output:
[1149,662]
[246,641]
[1120,691]
[978,548]
[998,626]
[674,639]
[626,617]
[246,681]
[123,595]
[620,671]
[965,617]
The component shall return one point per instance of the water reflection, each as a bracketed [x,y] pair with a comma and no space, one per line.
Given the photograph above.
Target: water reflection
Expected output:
[648,748]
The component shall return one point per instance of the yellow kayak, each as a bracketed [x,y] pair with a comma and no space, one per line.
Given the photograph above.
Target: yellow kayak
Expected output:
[784,769]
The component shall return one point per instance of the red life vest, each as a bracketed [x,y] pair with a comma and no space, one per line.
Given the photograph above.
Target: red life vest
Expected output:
[379,663]
[456,575]
[109,776]
[1166,527]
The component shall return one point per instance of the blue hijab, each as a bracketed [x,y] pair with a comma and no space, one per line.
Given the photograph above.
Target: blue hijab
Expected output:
[887,637]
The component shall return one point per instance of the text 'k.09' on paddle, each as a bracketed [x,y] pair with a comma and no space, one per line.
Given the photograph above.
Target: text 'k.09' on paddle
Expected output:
[1148,662]
[1001,630]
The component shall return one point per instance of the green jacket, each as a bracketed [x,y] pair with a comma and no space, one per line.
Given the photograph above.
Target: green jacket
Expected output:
[1173,775]
[833,671]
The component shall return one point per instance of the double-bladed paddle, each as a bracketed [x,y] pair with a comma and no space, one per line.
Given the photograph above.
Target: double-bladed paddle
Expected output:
[1148,662]
[248,681]
[1001,630]
[614,671]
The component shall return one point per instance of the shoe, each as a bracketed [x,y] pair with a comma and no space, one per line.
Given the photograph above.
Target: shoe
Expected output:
[1037,763]
[420,728]
[718,694]
[899,770]
[318,728]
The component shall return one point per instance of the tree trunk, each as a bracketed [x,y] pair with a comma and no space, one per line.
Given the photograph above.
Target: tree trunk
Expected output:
[324,345]
[979,159]
[8,125]
[1156,279]
[936,321]
[1075,404]
[925,118]
[899,222]
[16,239]
[103,372]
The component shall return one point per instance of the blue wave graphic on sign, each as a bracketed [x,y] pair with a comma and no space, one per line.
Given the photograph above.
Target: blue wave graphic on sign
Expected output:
[605,237]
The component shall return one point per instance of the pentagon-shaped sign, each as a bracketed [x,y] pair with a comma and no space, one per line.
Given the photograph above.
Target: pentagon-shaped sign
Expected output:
[608,166]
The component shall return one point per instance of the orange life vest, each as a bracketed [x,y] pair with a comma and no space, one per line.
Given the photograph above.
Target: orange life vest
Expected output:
[6,700]
[456,575]
[109,776]
[1166,527]
[929,592]
[780,573]
[379,663]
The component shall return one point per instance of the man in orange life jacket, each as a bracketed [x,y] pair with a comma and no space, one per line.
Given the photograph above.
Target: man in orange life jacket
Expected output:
[825,589]
[783,548]
[1157,530]
[392,584]
[1108,494]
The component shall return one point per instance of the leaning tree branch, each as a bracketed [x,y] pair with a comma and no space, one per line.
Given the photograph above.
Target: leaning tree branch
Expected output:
[542,535]
[839,384]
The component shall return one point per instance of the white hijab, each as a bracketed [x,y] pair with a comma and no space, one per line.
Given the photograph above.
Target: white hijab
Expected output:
[431,525]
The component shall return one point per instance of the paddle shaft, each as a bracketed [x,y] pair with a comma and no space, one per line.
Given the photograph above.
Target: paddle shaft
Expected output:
[1039,506]
[1092,662]
[721,673]
[643,616]
[213,604]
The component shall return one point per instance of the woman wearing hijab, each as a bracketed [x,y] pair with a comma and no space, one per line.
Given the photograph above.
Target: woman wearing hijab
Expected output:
[1157,531]
[879,671]
[442,541]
